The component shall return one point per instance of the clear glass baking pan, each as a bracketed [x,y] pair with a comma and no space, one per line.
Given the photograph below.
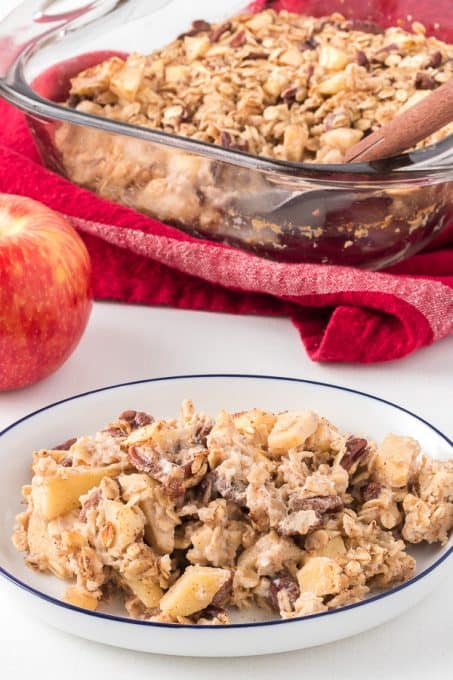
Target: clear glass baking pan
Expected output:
[366,215]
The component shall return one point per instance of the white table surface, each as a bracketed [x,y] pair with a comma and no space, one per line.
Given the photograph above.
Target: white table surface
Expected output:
[126,343]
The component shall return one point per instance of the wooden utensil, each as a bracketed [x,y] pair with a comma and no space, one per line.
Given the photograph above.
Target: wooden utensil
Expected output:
[411,126]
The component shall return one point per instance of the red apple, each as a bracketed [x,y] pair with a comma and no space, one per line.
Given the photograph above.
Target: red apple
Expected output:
[45,297]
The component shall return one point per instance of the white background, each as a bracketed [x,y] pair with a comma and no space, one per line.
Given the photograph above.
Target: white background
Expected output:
[126,343]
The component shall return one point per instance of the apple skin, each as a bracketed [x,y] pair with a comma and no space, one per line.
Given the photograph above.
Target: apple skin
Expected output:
[45,294]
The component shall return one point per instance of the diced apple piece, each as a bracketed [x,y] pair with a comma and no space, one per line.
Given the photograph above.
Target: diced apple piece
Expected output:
[126,82]
[334,548]
[395,458]
[291,430]
[193,591]
[124,524]
[332,85]
[256,424]
[146,590]
[80,598]
[332,59]
[196,46]
[321,576]
[58,495]
[42,548]
[159,527]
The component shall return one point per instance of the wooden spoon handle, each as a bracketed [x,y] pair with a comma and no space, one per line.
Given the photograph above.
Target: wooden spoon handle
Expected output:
[411,126]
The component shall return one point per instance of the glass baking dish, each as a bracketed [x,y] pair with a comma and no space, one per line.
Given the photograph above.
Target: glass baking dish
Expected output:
[366,215]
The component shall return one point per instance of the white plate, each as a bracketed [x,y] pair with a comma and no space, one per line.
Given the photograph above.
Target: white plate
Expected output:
[351,410]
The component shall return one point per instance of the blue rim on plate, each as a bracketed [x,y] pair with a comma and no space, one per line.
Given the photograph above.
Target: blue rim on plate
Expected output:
[136,622]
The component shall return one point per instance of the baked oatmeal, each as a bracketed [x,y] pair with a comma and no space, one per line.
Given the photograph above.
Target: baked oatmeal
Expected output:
[190,518]
[276,85]
[280,85]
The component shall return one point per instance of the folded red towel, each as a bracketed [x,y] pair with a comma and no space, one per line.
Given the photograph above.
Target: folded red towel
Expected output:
[342,314]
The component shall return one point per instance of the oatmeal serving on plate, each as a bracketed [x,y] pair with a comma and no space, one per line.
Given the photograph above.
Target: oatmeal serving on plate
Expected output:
[190,518]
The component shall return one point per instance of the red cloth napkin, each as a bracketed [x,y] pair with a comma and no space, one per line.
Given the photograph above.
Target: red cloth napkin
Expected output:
[341,313]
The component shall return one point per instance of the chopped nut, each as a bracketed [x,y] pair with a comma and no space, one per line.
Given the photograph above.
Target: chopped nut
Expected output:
[283,584]
[436,59]
[238,40]
[423,81]
[108,535]
[198,26]
[364,27]
[362,59]
[321,504]
[65,446]
[355,448]
[217,33]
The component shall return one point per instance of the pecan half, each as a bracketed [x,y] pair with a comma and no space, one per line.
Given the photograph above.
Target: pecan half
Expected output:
[362,59]
[198,26]
[309,44]
[371,491]
[231,489]
[227,140]
[206,489]
[91,502]
[223,593]
[136,419]
[423,81]
[355,448]
[65,446]
[149,460]
[436,59]
[289,95]
[74,100]
[212,613]
[239,39]
[256,55]
[321,504]
[283,581]
[381,54]
[217,33]
[364,26]
[115,432]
